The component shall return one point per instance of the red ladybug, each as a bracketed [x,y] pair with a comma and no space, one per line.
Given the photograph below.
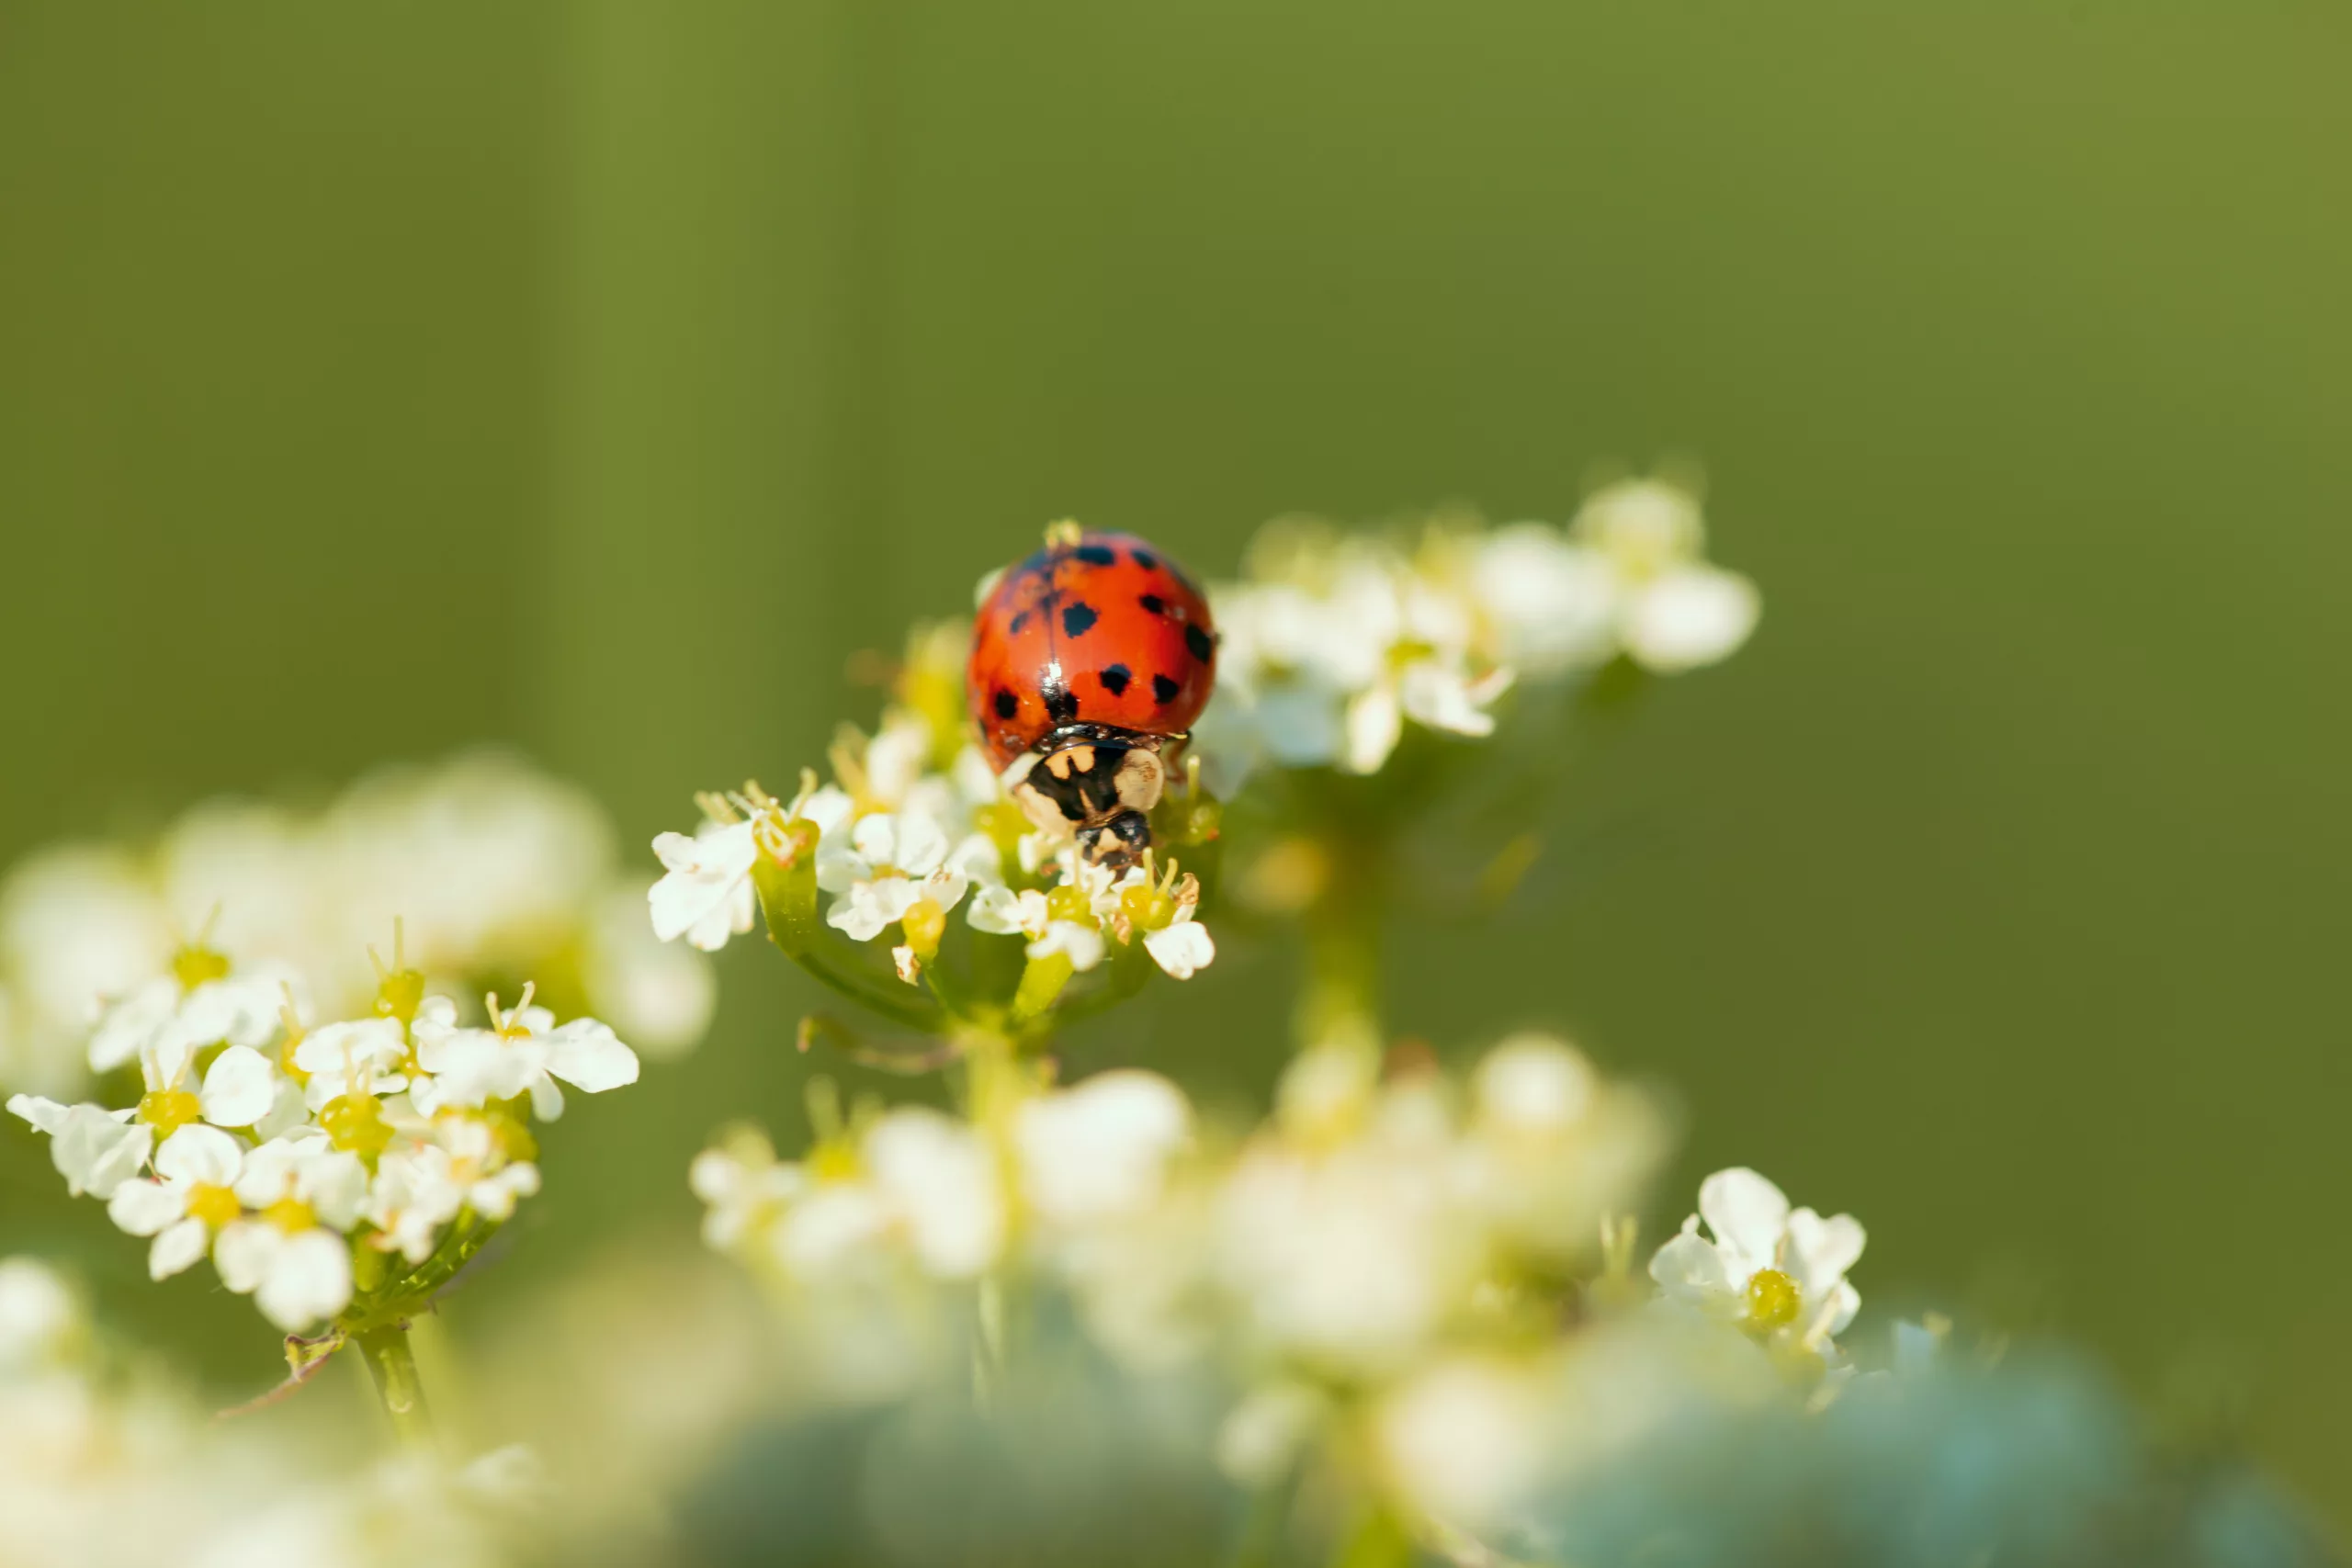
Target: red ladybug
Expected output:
[1089,660]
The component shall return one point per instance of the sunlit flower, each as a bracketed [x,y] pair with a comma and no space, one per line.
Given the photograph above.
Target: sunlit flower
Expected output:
[890,864]
[292,1256]
[706,894]
[1778,1272]
[523,1052]
[97,1150]
[195,1196]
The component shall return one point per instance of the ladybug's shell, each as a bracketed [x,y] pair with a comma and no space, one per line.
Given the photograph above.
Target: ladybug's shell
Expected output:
[1106,631]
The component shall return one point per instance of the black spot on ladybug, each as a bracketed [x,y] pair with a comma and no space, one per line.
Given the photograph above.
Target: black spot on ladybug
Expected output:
[1164,690]
[1146,559]
[1077,619]
[1114,680]
[1204,647]
[1007,705]
[1153,604]
[1062,703]
[1020,619]
[1097,555]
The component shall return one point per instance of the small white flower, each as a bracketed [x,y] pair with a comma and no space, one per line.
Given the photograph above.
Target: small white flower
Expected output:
[745,1186]
[1552,604]
[306,1171]
[97,1150]
[199,1167]
[240,1088]
[941,1180]
[1695,616]
[161,1024]
[1082,944]
[1780,1272]
[705,895]
[890,862]
[366,1056]
[40,1317]
[523,1055]
[1463,1437]
[298,1278]
[1101,1148]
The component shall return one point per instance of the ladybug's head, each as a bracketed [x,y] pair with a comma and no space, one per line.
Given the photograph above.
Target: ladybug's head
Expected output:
[1097,784]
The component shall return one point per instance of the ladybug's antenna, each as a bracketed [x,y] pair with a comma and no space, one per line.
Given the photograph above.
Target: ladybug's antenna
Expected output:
[1063,535]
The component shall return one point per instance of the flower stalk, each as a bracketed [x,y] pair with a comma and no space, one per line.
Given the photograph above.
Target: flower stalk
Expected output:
[392,1366]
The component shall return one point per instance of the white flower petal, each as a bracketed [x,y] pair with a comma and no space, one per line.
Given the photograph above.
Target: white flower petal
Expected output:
[97,1152]
[176,1248]
[708,883]
[200,1153]
[1690,1267]
[1747,1214]
[1376,720]
[1693,617]
[307,1281]
[145,1208]
[589,1057]
[1182,949]
[238,1087]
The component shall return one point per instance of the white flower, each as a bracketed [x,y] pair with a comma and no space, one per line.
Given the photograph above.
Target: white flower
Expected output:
[522,1056]
[1694,615]
[160,1024]
[1552,604]
[294,1260]
[97,1150]
[1675,611]
[1780,1273]
[1082,944]
[1181,947]
[941,1181]
[1435,693]
[363,1057]
[199,1167]
[745,1186]
[1101,1148]
[889,862]
[420,1188]
[1260,1438]
[296,1278]
[707,894]
[40,1317]
[1463,1438]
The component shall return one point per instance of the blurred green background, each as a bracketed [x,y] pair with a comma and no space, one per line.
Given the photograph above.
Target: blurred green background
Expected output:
[602,377]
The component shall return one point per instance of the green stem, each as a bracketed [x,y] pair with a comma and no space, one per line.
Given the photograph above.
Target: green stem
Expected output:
[1341,996]
[392,1364]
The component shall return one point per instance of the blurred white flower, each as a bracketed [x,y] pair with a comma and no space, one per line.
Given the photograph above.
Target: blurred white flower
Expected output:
[1463,1438]
[1099,1149]
[1780,1273]
[40,1316]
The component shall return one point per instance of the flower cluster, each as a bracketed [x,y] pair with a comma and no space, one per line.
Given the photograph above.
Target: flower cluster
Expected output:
[98,1467]
[332,1170]
[913,826]
[494,870]
[1333,642]
[1384,1267]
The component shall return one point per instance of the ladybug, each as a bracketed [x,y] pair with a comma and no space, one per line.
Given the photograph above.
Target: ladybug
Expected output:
[1089,660]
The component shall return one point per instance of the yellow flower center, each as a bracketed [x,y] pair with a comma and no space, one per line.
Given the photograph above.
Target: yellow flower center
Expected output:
[169,1110]
[216,1206]
[1146,908]
[833,1160]
[925,922]
[356,1123]
[290,1215]
[1773,1300]
[400,994]
[1067,902]
[194,965]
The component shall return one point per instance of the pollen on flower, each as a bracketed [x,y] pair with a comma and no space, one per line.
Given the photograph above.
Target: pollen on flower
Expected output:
[169,1110]
[290,1215]
[214,1205]
[196,964]
[1773,1300]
